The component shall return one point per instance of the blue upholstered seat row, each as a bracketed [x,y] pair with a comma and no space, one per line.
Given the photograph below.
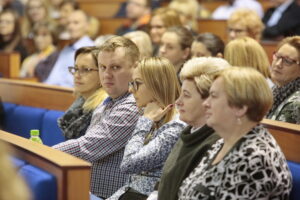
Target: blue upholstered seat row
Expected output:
[21,119]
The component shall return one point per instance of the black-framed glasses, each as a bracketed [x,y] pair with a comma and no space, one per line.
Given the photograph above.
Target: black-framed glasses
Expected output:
[134,85]
[82,71]
[284,59]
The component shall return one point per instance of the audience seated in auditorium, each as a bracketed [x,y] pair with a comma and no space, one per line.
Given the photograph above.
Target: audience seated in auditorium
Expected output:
[10,34]
[66,8]
[87,89]
[78,27]
[12,186]
[282,20]
[196,76]
[142,41]
[176,45]
[247,52]
[138,13]
[36,11]
[188,11]
[155,88]
[224,11]
[112,122]
[207,44]
[247,163]
[161,20]
[44,39]
[244,22]
[285,73]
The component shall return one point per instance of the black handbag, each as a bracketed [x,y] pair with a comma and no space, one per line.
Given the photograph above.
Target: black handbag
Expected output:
[132,194]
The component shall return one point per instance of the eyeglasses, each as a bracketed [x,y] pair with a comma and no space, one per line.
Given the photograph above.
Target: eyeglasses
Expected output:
[285,60]
[236,30]
[134,85]
[82,71]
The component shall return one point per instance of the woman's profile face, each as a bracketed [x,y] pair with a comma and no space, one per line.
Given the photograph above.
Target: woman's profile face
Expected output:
[284,68]
[189,104]
[7,24]
[157,29]
[217,107]
[139,90]
[86,82]
[36,11]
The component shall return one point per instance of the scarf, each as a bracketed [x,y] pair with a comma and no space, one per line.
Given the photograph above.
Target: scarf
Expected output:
[75,121]
[281,93]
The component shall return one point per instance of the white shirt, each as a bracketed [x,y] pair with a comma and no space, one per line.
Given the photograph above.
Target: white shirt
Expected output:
[224,12]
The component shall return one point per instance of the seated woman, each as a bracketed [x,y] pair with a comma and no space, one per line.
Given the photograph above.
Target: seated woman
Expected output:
[89,92]
[247,162]
[247,52]
[207,44]
[176,45]
[142,41]
[44,43]
[155,88]
[10,33]
[285,73]
[196,76]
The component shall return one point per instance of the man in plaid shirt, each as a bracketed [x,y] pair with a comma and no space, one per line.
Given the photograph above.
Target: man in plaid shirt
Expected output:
[112,122]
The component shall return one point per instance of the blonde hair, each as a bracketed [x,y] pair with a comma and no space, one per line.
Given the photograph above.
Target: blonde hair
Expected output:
[168,16]
[203,71]
[188,8]
[12,186]
[249,19]
[247,52]
[247,87]
[160,78]
[143,42]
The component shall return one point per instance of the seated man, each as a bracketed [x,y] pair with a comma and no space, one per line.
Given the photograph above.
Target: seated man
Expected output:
[138,14]
[78,29]
[282,20]
[112,122]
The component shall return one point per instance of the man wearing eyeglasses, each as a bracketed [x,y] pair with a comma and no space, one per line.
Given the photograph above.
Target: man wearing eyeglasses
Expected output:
[112,122]
[138,14]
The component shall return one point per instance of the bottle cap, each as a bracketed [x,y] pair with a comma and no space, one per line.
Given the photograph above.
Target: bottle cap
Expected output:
[34,132]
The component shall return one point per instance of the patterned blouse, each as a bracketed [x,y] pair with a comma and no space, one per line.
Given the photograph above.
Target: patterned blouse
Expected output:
[145,161]
[255,168]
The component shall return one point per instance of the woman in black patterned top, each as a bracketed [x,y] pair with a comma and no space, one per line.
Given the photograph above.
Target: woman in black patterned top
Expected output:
[246,163]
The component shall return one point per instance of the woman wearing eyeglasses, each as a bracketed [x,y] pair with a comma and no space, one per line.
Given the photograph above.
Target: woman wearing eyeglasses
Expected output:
[285,73]
[155,88]
[88,90]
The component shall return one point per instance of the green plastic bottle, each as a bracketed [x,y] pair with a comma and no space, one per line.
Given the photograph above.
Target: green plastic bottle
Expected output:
[35,136]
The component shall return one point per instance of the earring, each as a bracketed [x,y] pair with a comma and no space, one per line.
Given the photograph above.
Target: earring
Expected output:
[239,122]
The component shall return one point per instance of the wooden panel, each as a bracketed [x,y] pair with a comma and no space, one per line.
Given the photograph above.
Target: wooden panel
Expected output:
[287,136]
[72,174]
[10,64]
[218,27]
[270,47]
[110,25]
[36,94]
[101,8]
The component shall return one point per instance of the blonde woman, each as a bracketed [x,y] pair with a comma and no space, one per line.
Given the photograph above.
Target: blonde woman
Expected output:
[244,22]
[247,163]
[142,41]
[247,52]
[89,92]
[155,88]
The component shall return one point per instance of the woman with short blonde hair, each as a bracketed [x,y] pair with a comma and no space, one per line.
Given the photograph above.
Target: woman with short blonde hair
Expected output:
[247,52]
[245,22]
[142,41]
